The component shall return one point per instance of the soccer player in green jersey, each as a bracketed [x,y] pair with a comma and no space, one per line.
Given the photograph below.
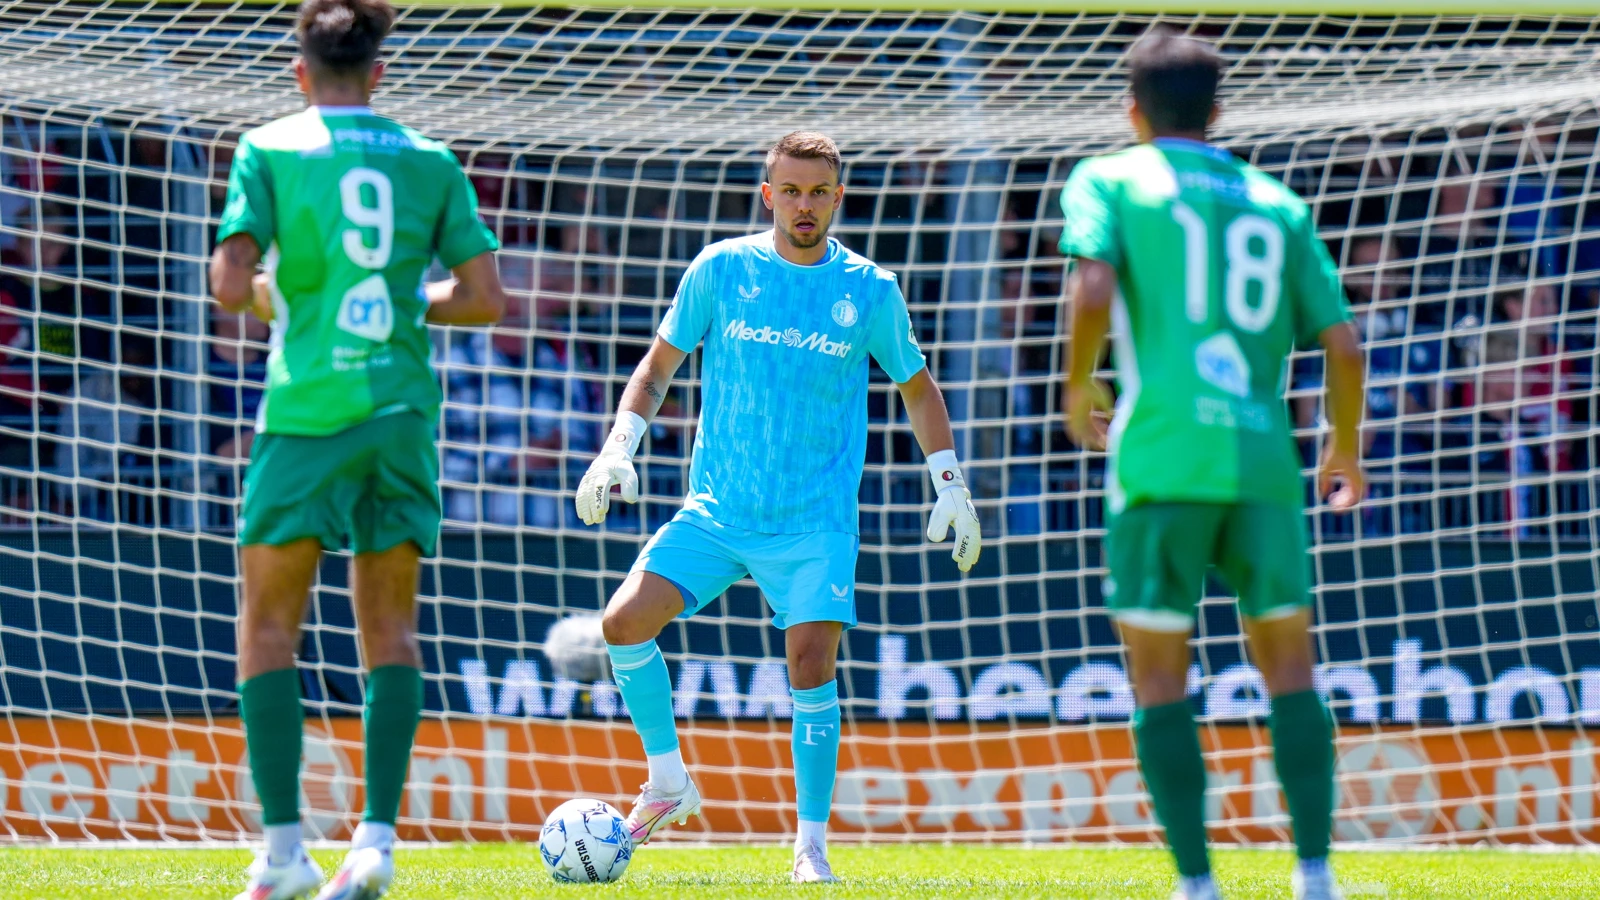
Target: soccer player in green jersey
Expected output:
[1212,272]
[349,209]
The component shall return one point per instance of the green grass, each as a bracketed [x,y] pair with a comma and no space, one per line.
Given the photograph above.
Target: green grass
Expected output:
[920,872]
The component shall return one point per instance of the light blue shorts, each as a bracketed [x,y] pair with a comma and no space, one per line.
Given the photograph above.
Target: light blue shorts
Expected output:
[805,577]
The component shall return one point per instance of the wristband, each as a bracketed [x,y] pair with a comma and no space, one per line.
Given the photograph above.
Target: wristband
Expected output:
[626,434]
[945,470]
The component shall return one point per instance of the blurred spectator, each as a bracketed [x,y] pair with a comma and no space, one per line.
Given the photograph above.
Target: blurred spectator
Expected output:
[1516,410]
[556,287]
[518,265]
[572,284]
[221,158]
[28,168]
[146,188]
[74,321]
[488,172]
[1004,357]
[1403,361]
[1540,210]
[1586,261]
[565,425]
[483,420]
[108,418]
[1459,242]
[236,370]
[1522,380]
[511,406]
[17,389]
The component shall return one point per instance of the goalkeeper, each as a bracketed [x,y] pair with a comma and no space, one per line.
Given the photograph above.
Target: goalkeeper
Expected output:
[1212,271]
[351,209]
[788,318]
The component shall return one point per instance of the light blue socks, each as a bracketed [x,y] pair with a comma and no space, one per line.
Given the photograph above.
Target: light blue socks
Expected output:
[641,676]
[815,743]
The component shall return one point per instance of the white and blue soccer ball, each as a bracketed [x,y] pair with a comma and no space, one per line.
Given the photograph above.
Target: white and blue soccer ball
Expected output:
[585,842]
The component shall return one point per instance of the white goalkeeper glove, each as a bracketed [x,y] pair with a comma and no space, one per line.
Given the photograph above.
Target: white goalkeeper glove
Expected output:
[954,507]
[614,466]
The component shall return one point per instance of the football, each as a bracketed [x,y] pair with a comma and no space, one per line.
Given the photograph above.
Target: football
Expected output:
[584,842]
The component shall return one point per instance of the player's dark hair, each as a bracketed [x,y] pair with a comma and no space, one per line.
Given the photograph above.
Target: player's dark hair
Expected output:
[341,37]
[804,145]
[1174,79]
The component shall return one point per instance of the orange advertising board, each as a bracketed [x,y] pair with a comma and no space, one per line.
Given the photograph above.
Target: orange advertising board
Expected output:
[495,779]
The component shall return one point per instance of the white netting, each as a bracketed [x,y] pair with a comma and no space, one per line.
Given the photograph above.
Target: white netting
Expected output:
[1449,159]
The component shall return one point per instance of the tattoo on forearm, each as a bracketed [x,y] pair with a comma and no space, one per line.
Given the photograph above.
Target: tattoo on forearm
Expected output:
[654,392]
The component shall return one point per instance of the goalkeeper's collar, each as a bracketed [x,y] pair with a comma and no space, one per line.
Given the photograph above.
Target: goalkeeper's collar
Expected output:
[343,110]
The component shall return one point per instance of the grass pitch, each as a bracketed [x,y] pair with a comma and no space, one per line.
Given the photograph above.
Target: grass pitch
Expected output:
[921,872]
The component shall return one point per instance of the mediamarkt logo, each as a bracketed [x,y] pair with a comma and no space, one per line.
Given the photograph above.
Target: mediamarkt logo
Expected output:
[789,337]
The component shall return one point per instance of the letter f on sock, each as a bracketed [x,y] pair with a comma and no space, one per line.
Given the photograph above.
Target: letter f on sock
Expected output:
[810,731]
[815,745]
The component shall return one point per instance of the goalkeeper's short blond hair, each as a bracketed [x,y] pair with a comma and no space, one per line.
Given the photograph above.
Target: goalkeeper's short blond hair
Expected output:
[804,145]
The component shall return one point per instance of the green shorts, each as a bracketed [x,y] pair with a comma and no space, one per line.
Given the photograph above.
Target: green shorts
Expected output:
[376,483]
[1158,554]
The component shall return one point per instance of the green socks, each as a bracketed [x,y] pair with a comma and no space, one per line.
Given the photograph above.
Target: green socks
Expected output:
[273,726]
[1175,773]
[1168,749]
[1302,750]
[394,706]
[269,704]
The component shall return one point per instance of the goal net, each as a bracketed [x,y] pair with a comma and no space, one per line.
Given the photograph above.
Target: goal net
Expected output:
[1449,160]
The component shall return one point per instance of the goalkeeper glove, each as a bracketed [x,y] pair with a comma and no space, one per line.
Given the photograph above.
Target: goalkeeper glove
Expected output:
[614,466]
[954,507]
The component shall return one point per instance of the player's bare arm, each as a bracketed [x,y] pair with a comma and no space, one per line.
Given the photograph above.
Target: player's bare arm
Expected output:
[647,386]
[233,269]
[1347,393]
[930,422]
[1093,285]
[613,467]
[472,296]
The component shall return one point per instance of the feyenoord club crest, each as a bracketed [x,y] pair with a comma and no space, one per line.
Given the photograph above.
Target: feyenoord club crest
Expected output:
[844,312]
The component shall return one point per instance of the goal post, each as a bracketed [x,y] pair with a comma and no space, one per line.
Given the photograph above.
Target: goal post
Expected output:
[1447,150]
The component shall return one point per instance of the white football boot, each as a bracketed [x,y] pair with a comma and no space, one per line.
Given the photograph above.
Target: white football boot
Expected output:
[365,874]
[653,809]
[811,866]
[290,881]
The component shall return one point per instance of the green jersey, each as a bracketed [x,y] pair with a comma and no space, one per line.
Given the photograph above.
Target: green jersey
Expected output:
[351,209]
[1221,274]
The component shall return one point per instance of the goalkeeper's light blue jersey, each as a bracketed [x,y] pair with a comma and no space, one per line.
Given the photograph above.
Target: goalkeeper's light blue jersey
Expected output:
[783,415]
